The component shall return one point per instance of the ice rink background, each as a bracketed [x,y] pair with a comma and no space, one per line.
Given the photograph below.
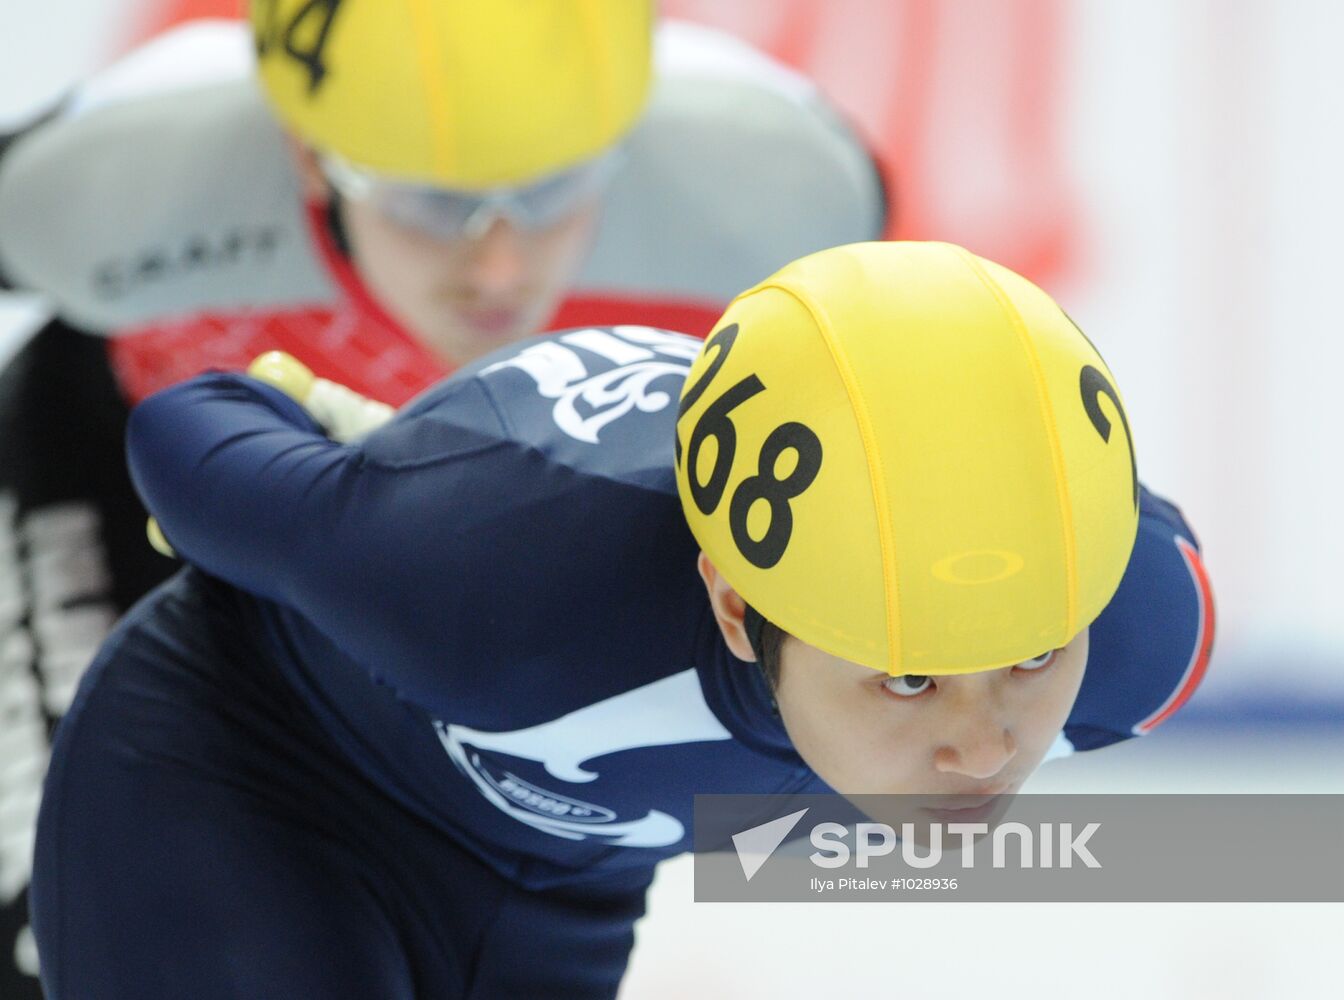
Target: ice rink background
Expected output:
[1171,173]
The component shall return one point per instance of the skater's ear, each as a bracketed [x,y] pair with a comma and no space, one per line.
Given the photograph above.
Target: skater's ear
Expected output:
[729,610]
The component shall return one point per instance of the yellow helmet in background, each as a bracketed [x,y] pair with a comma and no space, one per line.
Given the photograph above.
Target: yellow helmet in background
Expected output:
[910,458]
[466,94]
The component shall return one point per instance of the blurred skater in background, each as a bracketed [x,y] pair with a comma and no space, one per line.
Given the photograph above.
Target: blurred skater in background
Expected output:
[383,197]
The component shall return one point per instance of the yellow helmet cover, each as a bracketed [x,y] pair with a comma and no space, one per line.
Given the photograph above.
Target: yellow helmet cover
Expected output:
[909,457]
[459,93]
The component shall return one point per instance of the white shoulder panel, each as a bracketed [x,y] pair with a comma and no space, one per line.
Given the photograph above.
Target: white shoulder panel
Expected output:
[178,201]
[683,49]
[739,167]
[191,55]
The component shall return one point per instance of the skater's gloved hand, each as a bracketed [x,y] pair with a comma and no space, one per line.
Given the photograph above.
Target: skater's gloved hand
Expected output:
[343,413]
[156,540]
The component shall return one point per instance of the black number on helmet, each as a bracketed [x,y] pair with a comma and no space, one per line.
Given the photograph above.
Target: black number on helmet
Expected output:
[1093,385]
[715,423]
[723,340]
[303,39]
[769,549]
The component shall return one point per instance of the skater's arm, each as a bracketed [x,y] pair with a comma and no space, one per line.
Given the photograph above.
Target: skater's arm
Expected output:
[1150,647]
[376,553]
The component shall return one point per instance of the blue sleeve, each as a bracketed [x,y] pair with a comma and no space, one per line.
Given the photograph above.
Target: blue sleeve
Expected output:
[380,556]
[452,560]
[207,455]
[1149,649]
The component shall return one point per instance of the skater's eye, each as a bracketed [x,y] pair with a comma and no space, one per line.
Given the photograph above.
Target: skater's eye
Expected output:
[908,685]
[1039,662]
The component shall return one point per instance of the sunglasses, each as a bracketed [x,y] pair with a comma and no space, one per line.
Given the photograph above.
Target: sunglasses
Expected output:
[448,214]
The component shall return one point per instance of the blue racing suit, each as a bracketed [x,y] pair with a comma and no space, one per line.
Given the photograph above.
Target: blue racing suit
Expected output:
[426,697]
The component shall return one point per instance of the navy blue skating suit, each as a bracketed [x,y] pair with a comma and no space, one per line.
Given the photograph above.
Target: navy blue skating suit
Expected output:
[445,695]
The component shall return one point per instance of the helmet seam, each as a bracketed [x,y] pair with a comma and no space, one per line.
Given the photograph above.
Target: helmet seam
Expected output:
[1052,428]
[429,56]
[881,504]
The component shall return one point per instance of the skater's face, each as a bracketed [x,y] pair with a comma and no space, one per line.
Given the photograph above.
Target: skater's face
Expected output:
[469,284]
[975,735]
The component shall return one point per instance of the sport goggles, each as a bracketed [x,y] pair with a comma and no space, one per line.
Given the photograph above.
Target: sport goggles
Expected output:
[448,214]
